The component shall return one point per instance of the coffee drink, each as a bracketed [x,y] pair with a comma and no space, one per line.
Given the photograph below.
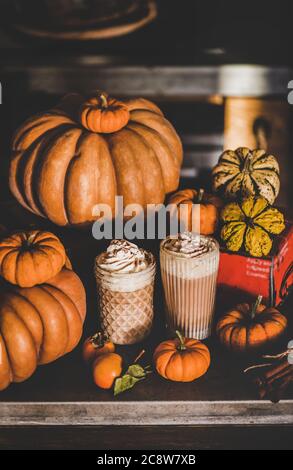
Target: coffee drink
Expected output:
[189,267]
[125,281]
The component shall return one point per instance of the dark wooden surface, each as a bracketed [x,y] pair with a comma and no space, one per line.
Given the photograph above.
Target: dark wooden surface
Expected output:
[67,380]
[147,437]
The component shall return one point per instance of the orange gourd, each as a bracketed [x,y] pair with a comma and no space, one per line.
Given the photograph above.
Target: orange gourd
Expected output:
[248,327]
[182,359]
[103,114]
[30,258]
[39,324]
[86,151]
[209,209]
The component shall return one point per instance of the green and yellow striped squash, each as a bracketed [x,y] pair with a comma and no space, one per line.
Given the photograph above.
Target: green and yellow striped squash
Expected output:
[243,172]
[249,225]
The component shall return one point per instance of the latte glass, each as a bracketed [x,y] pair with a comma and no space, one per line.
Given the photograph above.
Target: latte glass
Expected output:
[190,288]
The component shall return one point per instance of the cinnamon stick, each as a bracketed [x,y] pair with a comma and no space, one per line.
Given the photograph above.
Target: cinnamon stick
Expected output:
[276,369]
[273,379]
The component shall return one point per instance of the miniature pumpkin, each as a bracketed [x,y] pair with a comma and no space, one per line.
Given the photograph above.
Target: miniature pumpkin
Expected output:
[182,359]
[96,345]
[243,172]
[251,224]
[106,368]
[67,161]
[30,258]
[102,114]
[209,209]
[39,324]
[249,327]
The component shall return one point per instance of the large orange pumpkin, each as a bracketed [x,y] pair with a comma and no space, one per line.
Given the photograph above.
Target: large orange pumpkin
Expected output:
[39,324]
[209,209]
[30,258]
[83,153]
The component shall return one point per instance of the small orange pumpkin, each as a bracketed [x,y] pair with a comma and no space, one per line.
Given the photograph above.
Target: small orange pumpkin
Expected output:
[209,209]
[182,359]
[31,258]
[106,368]
[103,114]
[249,327]
[96,345]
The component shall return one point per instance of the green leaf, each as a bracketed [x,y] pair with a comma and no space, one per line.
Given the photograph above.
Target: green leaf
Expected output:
[137,371]
[134,374]
[126,382]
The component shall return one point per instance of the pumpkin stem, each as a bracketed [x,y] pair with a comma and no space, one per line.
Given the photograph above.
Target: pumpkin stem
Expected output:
[104,102]
[182,346]
[200,195]
[255,306]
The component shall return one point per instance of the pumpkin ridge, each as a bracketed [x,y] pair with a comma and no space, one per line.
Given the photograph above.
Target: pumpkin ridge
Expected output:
[160,136]
[67,175]
[8,356]
[264,158]
[232,234]
[273,320]
[257,187]
[16,274]
[166,156]
[28,130]
[226,330]
[229,180]
[48,257]
[166,363]
[9,376]
[48,288]
[41,237]
[262,326]
[169,365]
[10,251]
[232,331]
[202,353]
[267,169]
[27,327]
[24,298]
[46,285]
[171,130]
[270,184]
[14,375]
[66,180]
[45,141]
[262,228]
[225,160]
[156,162]
[121,180]
[60,354]
[48,157]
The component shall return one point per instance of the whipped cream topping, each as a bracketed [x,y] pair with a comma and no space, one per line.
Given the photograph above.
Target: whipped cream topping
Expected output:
[124,257]
[189,244]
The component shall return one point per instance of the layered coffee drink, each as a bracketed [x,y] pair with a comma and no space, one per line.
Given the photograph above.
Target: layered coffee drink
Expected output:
[125,281]
[189,267]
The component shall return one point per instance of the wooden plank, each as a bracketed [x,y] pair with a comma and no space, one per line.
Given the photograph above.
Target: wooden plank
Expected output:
[151,81]
[146,413]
